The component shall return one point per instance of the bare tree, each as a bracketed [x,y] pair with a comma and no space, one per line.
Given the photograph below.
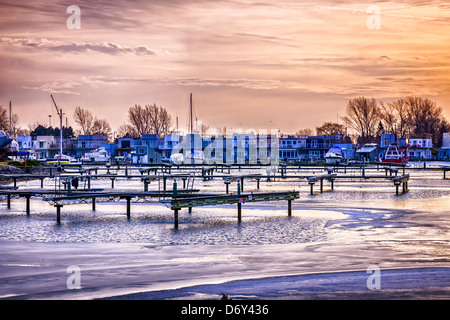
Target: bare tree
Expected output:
[305,132]
[425,118]
[85,119]
[101,127]
[4,121]
[402,120]
[149,119]
[90,124]
[363,115]
[388,117]
[330,128]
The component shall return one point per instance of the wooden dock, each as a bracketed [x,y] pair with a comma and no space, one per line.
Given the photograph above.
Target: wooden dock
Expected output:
[177,203]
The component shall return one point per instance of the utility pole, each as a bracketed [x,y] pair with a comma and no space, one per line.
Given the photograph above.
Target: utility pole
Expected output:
[10,119]
[60,114]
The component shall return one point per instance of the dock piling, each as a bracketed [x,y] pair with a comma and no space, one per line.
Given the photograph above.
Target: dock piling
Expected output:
[28,204]
[128,207]
[239,207]
[175,218]
[58,212]
[289,208]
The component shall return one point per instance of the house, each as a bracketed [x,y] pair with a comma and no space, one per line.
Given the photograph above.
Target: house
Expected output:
[420,149]
[44,147]
[86,143]
[368,152]
[124,146]
[146,149]
[444,152]
[289,146]
[166,146]
[317,146]
[446,140]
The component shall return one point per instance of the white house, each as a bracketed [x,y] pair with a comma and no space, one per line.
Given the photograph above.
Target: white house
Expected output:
[420,149]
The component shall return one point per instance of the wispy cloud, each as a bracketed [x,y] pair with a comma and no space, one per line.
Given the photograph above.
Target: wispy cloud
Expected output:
[75,47]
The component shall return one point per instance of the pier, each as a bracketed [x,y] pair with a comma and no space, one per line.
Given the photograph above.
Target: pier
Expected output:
[154,188]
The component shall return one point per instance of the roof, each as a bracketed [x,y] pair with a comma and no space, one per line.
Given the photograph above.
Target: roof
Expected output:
[367,148]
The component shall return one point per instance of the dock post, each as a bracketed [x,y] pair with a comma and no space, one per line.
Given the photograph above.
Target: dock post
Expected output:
[332,184]
[93,204]
[190,210]
[128,208]
[145,184]
[164,183]
[257,183]
[396,188]
[42,183]
[8,201]
[112,183]
[58,212]
[89,181]
[174,189]
[312,186]
[321,185]
[28,204]
[175,218]
[289,208]
[239,205]
[227,183]
[242,184]
[15,182]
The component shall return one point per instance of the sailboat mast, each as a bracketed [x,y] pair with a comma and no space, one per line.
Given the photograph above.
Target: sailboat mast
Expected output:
[190,118]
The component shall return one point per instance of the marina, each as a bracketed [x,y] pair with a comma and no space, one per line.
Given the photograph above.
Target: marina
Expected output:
[80,183]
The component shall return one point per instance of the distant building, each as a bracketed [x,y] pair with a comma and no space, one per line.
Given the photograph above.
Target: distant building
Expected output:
[368,152]
[444,152]
[85,143]
[420,149]
[317,146]
[446,140]
[290,145]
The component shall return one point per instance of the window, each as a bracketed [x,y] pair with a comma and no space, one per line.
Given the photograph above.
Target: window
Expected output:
[313,143]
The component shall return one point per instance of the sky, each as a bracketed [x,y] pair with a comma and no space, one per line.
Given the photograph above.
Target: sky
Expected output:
[260,65]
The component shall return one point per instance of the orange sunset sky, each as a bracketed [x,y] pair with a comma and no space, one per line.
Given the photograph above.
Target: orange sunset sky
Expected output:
[249,64]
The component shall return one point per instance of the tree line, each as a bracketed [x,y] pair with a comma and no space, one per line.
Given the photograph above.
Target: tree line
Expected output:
[364,121]
[367,118]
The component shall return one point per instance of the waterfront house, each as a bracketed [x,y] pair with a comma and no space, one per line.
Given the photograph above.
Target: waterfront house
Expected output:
[368,152]
[444,152]
[420,149]
[167,144]
[44,147]
[289,146]
[317,146]
[146,149]
[85,143]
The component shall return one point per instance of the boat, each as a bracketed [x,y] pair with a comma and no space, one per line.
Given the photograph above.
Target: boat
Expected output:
[5,139]
[61,159]
[334,155]
[7,145]
[99,154]
[396,154]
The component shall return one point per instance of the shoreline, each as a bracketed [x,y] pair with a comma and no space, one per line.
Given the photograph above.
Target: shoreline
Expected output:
[430,283]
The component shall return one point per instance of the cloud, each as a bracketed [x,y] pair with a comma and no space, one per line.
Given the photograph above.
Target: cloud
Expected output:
[109,48]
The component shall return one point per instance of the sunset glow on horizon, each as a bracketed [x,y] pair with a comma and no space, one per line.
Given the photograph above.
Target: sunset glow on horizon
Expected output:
[282,65]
